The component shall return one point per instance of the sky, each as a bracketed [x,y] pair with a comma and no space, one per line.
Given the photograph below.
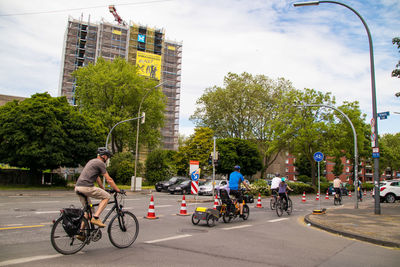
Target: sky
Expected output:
[322,47]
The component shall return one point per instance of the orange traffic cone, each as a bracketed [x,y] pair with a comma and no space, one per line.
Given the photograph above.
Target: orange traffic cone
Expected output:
[327,195]
[365,192]
[151,214]
[183,210]
[317,196]
[349,193]
[215,202]
[259,201]
[371,192]
[303,199]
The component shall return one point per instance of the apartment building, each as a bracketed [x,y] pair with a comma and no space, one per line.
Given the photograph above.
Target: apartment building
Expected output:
[85,41]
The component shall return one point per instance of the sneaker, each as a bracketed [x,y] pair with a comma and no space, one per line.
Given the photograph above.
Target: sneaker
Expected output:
[81,238]
[97,222]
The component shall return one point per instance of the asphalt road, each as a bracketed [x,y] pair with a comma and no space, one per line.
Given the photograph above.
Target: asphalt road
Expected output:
[171,240]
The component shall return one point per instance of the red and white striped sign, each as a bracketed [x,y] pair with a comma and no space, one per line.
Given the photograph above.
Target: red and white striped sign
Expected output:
[195,187]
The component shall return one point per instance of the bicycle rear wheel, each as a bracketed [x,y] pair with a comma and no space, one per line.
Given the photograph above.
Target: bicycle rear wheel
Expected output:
[65,244]
[279,208]
[246,212]
[123,229]
[272,203]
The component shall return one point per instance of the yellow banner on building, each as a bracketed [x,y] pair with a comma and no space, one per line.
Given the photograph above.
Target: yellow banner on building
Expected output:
[116,32]
[149,64]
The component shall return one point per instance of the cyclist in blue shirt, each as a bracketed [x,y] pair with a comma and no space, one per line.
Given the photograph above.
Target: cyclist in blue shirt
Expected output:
[235,178]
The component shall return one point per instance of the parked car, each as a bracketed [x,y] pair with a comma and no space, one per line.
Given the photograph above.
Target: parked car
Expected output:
[163,185]
[390,190]
[207,188]
[344,190]
[182,188]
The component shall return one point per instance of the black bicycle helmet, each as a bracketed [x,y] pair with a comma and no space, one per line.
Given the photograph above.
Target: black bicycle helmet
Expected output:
[104,151]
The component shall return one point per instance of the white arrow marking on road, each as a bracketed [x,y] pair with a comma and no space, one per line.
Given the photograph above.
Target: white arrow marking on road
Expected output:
[278,220]
[236,227]
[166,239]
[28,259]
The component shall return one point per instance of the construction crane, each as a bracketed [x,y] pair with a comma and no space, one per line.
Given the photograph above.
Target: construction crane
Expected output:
[113,11]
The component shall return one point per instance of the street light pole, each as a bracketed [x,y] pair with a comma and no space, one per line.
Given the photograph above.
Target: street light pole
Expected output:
[355,144]
[133,187]
[374,109]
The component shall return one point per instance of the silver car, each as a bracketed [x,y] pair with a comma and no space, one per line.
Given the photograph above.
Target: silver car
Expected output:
[207,188]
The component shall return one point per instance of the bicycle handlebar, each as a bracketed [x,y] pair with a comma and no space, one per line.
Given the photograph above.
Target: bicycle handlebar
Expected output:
[112,191]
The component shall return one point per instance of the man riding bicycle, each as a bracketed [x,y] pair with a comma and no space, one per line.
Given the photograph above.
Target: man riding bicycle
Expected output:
[337,185]
[283,187]
[275,185]
[235,178]
[85,184]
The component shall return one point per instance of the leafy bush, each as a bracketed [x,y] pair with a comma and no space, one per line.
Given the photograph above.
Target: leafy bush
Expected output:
[160,166]
[122,168]
[304,179]
[299,188]
[260,187]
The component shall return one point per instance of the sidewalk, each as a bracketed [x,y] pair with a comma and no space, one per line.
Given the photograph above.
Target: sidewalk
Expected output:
[362,223]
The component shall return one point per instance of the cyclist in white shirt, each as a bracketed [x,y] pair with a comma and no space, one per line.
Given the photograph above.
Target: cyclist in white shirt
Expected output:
[275,184]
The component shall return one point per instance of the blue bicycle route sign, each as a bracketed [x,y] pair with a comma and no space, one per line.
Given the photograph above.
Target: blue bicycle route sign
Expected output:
[318,156]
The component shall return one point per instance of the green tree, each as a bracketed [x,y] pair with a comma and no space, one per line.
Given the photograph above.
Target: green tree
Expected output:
[122,167]
[111,92]
[197,147]
[338,168]
[311,127]
[247,107]
[235,151]
[44,132]
[390,152]
[160,165]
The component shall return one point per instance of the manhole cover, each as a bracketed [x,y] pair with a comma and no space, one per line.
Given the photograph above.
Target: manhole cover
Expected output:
[192,230]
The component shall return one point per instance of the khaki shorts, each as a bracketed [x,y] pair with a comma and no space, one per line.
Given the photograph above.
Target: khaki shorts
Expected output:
[94,192]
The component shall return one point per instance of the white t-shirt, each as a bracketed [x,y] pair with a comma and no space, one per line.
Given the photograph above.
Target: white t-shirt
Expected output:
[275,182]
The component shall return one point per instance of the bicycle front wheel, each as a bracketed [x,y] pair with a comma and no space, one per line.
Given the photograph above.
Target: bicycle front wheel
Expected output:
[279,208]
[64,243]
[123,229]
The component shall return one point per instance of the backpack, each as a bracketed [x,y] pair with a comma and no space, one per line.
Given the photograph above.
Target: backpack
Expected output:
[72,219]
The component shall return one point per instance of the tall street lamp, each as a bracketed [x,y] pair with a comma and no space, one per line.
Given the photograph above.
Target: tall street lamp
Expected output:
[133,187]
[355,143]
[374,123]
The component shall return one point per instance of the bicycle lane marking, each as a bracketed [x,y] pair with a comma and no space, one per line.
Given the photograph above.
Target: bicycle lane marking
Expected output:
[21,227]
[237,227]
[29,259]
[166,239]
[278,220]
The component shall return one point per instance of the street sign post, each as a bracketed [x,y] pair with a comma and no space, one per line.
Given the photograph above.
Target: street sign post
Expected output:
[318,157]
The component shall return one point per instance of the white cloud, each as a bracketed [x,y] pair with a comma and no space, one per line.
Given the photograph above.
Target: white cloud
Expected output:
[322,47]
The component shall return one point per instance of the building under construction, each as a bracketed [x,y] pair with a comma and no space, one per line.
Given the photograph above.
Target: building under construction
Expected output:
[85,42]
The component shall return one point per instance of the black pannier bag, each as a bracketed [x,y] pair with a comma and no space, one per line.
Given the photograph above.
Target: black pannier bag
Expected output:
[248,199]
[72,219]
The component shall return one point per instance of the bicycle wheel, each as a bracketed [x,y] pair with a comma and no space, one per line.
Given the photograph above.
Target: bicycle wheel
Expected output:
[246,212]
[210,220]
[196,220]
[279,208]
[65,244]
[272,203]
[290,207]
[336,201]
[123,229]
[226,217]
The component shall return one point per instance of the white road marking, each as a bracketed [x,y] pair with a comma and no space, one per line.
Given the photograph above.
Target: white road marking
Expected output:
[166,239]
[45,212]
[28,259]
[37,202]
[161,206]
[237,227]
[278,220]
